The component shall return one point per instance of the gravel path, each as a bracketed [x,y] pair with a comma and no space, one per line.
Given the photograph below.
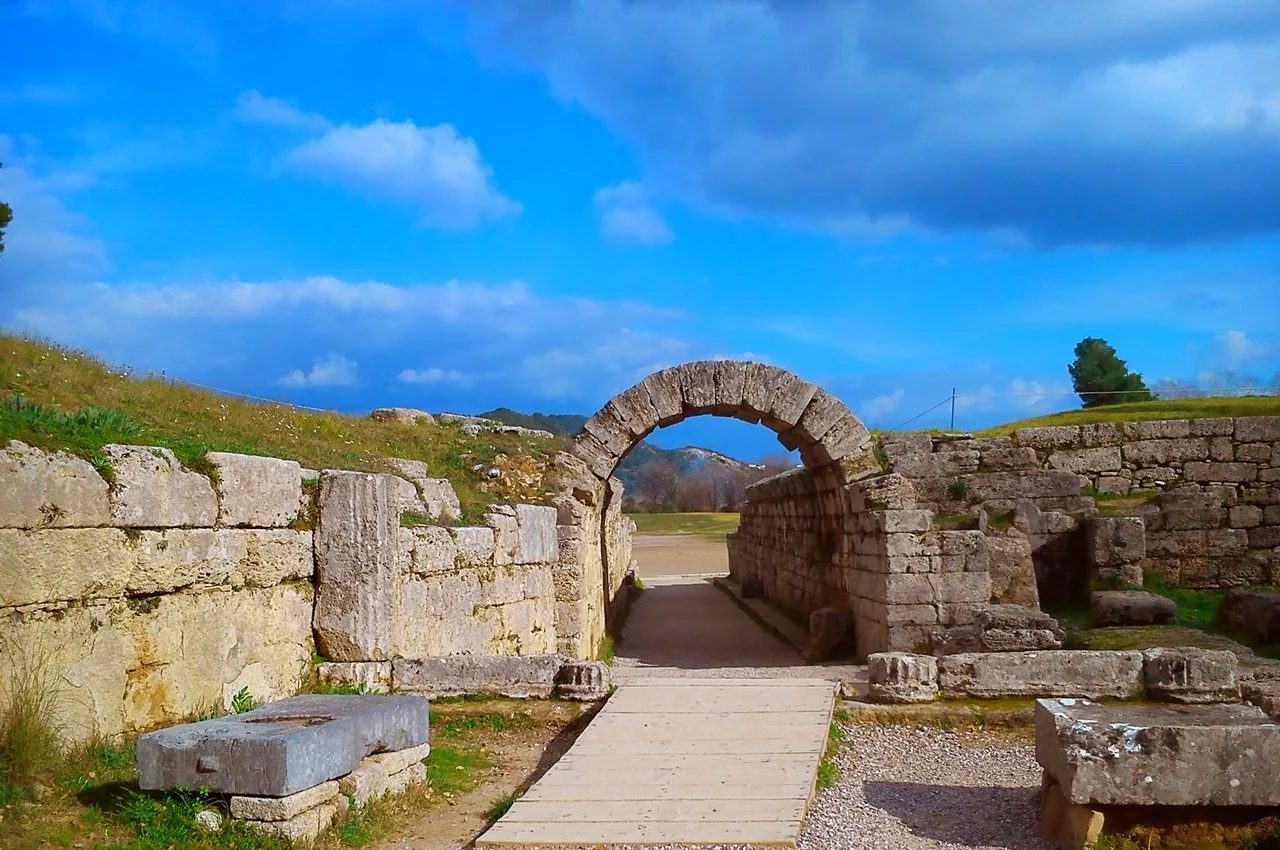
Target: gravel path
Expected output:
[907,787]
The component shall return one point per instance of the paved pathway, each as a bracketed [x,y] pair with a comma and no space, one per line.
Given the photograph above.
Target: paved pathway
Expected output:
[682,761]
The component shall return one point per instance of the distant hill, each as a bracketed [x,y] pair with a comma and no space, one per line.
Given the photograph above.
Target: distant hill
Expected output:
[566,424]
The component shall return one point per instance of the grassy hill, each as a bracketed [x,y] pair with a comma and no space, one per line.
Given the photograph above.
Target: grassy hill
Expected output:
[1183,408]
[59,399]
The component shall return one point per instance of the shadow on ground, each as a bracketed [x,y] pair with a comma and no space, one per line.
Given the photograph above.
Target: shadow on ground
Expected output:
[994,817]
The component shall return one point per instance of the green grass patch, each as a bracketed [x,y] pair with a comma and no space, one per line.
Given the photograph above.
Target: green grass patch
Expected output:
[705,524]
[828,769]
[413,519]
[954,522]
[1186,408]
[1196,608]
[60,400]
[455,769]
[500,807]
[608,649]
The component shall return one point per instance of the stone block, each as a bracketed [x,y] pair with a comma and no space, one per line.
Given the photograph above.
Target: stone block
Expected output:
[730,382]
[257,492]
[961,587]
[598,459]
[506,533]
[357,547]
[634,407]
[938,464]
[439,498]
[63,564]
[830,630]
[906,521]
[283,808]
[372,676]
[395,761]
[1158,429]
[1264,537]
[1012,569]
[305,827]
[1253,453]
[758,386]
[1005,459]
[1244,516]
[698,386]
[1254,615]
[1221,449]
[824,411]
[50,490]
[1188,675]
[153,490]
[584,681]
[538,542]
[1055,673]
[402,415]
[791,396]
[666,395]
[1166,452]
[1139,755]
[513,676]
[1264,693]
[1232,473]
[1112,541]
[1257,429]
[1101,434]
[1212,427]
[608,427]
[1049,437]
[475,546]
[902,677]
[434,550]
[281,748]
[1042,484]
[1101,459]
[1131,608]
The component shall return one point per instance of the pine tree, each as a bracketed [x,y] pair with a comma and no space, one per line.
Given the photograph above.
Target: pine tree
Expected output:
[1100,377]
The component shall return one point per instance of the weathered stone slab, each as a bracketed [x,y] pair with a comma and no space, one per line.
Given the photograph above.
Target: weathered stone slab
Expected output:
[153,490]
[1062,673]
[666,395]
[1264,693]
[394,761]
[584,681]
[43,490]
[1101,459]
[698,386]
[1189,675]
[357,543]
[372,676]
[402,415]
[790,398]
[1231,473]
[1114,541]
[901,677]
[475,545]
[1251,429]
[61,564]
[1049,436]
[1131,608]
[538,542]
[512,676]
[730,381]
[1254,615]
[281,748]
[258,492]
[634,407]
[283,808]
[1143,755]
[434,550]
[608,426]
[758,387]
[305,827]
[506,533]
[829,630]
[1012,569]
[1165,452]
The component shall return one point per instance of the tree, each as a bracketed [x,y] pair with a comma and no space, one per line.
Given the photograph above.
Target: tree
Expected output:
[1100,377]
[658,482]
[6,216]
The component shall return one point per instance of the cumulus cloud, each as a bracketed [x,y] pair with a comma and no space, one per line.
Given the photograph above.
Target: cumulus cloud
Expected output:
[1235,349]
[882,404]
[434,375]
[435,170]
[333,371]
[626,217]
[1089,122]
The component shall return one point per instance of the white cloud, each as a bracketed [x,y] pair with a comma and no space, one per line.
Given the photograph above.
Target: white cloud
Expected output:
[434,169]
[333,371]
[627,218]
[253,107]
[1234,349]
[882,404]
[434,375]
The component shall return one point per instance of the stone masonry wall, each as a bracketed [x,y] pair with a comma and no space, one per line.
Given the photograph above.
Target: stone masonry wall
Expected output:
[160,595]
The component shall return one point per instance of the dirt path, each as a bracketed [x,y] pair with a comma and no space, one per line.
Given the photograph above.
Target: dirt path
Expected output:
[680,554]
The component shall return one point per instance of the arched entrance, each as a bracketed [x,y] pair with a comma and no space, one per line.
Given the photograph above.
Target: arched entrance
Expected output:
[829,535]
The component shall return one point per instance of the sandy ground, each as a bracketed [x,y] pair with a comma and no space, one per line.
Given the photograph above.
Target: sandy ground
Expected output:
[680,554]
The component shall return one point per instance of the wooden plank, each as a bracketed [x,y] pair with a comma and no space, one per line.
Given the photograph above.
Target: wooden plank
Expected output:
[666,793]
[670,811]
[634,832]
[749,746]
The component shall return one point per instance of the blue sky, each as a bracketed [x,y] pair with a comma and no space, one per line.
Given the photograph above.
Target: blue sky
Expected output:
[456,206]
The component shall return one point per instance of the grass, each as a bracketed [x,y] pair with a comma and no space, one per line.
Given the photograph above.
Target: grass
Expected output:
[29,729]
[58,399]
[501,806]
[1185,408]
[608,650]
[704,523]
[828,768]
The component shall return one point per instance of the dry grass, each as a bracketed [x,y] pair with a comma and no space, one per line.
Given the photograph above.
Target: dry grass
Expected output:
[1186,408]
[704,523]
[59,399]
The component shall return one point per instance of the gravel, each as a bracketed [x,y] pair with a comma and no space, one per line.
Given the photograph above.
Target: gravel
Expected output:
[908,787]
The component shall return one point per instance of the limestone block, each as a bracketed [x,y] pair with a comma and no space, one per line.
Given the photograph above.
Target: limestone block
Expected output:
[1103,754]
[402,415]
[357,543]
[698,386]
[373,676]
[598,459]
[439,498]
[848,442]
[1049,437]
[1043,484]
[271,556]
[434,550]
[1112,541]
[1212,427]
[395,761]
[666,395]
[790,398]
[608,426]
[1101,434]
[538,542]
[1228,472]
[938,464]
[43,490]
[1011,568]
[822,412]
[1131,608]
[1102,459]
[758,387]
[1165,452]
[961,587]
[475,546]
[636,411]
[830,629]
[1113,485]
[266,753]
[906,521]
[57,564]
[1264,693]
[584,681]
[153,490]
[1062,673]
[1184,510]
[901,677]
[283,808]
[258,492]
[1158,429]
[1254,615]
[513,676]
[1244,516]
[1188,675]
[506,533]
[305,827]
[1264,537]
[1006,459]
[1257,429]
[730,382]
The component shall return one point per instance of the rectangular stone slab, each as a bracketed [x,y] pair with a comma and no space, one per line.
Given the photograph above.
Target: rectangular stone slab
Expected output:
[1148,755]
[281,748]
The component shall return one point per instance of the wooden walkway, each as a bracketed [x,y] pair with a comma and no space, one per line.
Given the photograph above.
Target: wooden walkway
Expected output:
[682,761]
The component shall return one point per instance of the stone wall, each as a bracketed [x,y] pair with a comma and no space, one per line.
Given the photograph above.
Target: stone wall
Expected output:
[158,596]
[161,594]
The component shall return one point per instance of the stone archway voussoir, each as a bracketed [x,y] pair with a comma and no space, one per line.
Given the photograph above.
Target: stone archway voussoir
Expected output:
[666,395]
[698,387]
[730,378]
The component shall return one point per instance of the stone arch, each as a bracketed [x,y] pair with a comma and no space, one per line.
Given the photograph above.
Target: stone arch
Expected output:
[835,447]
